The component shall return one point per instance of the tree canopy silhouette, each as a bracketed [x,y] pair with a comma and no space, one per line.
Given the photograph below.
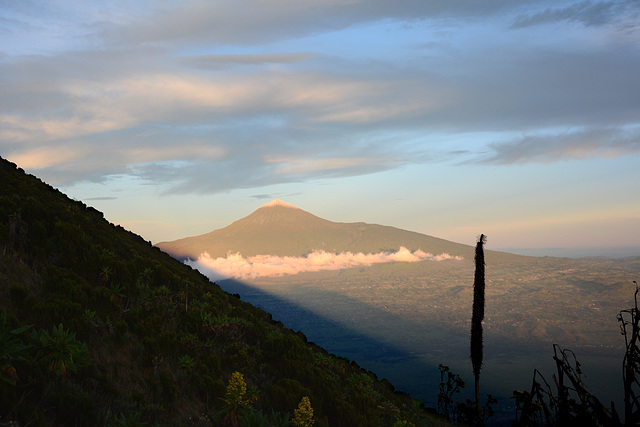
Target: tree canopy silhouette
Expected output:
[476,320]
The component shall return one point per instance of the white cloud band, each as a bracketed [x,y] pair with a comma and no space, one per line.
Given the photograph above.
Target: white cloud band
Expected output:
[236,266]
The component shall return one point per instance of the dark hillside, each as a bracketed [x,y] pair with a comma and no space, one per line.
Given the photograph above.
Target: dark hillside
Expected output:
[98,327]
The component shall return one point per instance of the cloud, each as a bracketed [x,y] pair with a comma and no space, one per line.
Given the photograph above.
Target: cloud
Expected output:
[263,196]
[100,198]
[588,13]
[205,97]
[249,126]
[550,148]
[236,266]
[247,22]
[228,60]
[292,166]
[42,157]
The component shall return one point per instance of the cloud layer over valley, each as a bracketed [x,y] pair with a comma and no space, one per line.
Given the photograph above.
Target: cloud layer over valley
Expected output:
[238,267]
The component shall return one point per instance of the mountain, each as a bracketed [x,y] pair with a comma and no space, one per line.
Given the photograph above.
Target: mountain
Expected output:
[98,327]
[279,228]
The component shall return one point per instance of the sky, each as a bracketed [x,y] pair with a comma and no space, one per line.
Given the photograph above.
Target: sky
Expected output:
[519,120]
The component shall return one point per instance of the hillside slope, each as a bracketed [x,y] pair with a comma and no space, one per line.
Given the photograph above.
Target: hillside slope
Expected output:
[97,327]
[278,228]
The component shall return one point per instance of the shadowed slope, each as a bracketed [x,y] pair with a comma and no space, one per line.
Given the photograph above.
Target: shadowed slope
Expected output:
[279,228]
[141,338]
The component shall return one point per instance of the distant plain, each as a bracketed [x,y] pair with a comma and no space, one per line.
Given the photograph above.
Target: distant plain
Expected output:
[401,320]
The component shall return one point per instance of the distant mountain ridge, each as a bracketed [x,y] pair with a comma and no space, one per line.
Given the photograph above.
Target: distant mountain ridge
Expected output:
[279,228]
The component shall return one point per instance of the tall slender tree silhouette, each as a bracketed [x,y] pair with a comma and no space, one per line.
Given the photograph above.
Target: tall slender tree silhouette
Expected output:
[630,328]
[476,322]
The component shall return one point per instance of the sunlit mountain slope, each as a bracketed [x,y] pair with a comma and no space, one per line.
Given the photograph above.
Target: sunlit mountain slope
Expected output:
[278,228]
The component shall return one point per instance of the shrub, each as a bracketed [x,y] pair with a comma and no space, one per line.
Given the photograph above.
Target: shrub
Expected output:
[11,349]
[236,394]
[60,350]
[303,415]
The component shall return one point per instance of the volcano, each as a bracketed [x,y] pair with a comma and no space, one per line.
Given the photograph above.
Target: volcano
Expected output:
[279,228]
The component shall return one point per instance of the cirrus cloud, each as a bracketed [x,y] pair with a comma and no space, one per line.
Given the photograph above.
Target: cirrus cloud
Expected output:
[548,148]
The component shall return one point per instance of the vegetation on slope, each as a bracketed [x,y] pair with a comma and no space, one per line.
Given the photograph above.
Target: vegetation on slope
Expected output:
[98,327]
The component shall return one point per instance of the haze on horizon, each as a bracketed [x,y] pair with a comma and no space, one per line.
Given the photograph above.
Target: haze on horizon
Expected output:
[519,120]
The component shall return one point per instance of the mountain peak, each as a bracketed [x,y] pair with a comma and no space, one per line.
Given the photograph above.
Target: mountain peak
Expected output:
[281,229]
[278,202]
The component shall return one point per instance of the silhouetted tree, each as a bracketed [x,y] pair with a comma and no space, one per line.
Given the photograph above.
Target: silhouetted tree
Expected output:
[476,322]
[630,328]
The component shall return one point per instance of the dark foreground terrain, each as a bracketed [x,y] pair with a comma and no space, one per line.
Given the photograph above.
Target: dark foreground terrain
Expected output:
[98,327]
